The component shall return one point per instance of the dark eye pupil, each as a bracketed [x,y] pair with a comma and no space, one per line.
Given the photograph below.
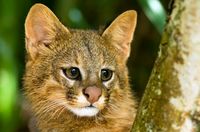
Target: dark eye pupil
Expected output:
[72,73]
[106,74]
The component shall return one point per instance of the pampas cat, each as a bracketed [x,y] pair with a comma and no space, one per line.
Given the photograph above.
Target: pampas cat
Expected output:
[77,80]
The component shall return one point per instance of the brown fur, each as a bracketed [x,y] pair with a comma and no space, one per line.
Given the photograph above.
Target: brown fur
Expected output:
[51,46]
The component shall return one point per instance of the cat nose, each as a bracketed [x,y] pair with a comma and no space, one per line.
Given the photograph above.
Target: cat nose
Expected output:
[92,94]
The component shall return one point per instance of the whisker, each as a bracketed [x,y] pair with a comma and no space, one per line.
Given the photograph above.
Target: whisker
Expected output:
[61,111]
[47,107]
[53,115]
[50,108]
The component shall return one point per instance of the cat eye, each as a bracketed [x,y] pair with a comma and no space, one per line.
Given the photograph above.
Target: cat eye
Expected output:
[72,73]
[106,74]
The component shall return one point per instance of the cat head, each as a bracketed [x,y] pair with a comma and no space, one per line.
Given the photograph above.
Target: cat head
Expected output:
[81,71]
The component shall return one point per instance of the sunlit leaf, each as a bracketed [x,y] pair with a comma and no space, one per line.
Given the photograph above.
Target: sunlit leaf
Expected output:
[155,12]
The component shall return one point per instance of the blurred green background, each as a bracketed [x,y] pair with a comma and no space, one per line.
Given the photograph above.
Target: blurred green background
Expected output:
[75,14]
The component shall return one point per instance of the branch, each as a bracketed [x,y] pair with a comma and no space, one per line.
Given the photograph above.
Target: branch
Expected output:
[171,101]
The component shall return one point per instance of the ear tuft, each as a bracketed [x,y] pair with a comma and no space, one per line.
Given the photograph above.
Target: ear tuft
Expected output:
[41,26]
[120,32]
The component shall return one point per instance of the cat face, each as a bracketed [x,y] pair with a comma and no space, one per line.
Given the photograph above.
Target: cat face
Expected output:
[86,73]
[80,71]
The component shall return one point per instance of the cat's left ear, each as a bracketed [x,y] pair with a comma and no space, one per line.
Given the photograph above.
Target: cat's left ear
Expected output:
[120,32]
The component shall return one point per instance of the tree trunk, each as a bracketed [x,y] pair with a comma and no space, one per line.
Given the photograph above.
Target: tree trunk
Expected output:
[171,102]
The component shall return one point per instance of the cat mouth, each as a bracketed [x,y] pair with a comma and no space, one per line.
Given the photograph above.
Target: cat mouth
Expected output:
[87,111]
[90,106]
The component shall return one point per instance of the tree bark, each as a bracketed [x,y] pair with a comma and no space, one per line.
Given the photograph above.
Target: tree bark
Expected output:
[171,102]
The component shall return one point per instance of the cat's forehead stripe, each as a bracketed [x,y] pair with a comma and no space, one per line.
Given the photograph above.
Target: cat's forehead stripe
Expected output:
[88,48]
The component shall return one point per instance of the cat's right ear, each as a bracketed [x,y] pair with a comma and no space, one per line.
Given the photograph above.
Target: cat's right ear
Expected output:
[41,28]
[120,32]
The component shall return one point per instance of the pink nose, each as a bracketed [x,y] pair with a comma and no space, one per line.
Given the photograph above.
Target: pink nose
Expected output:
[92,94]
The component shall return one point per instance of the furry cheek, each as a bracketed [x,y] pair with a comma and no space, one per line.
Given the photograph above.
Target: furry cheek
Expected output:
[100,104]
[81,101]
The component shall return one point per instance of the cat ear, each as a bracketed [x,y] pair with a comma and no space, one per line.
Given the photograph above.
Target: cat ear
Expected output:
[120,32]
[41,27]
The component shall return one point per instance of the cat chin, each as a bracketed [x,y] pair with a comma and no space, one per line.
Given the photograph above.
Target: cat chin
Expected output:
[85,111]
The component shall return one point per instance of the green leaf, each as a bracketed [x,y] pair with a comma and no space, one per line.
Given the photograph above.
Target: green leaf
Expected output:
[154,10]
